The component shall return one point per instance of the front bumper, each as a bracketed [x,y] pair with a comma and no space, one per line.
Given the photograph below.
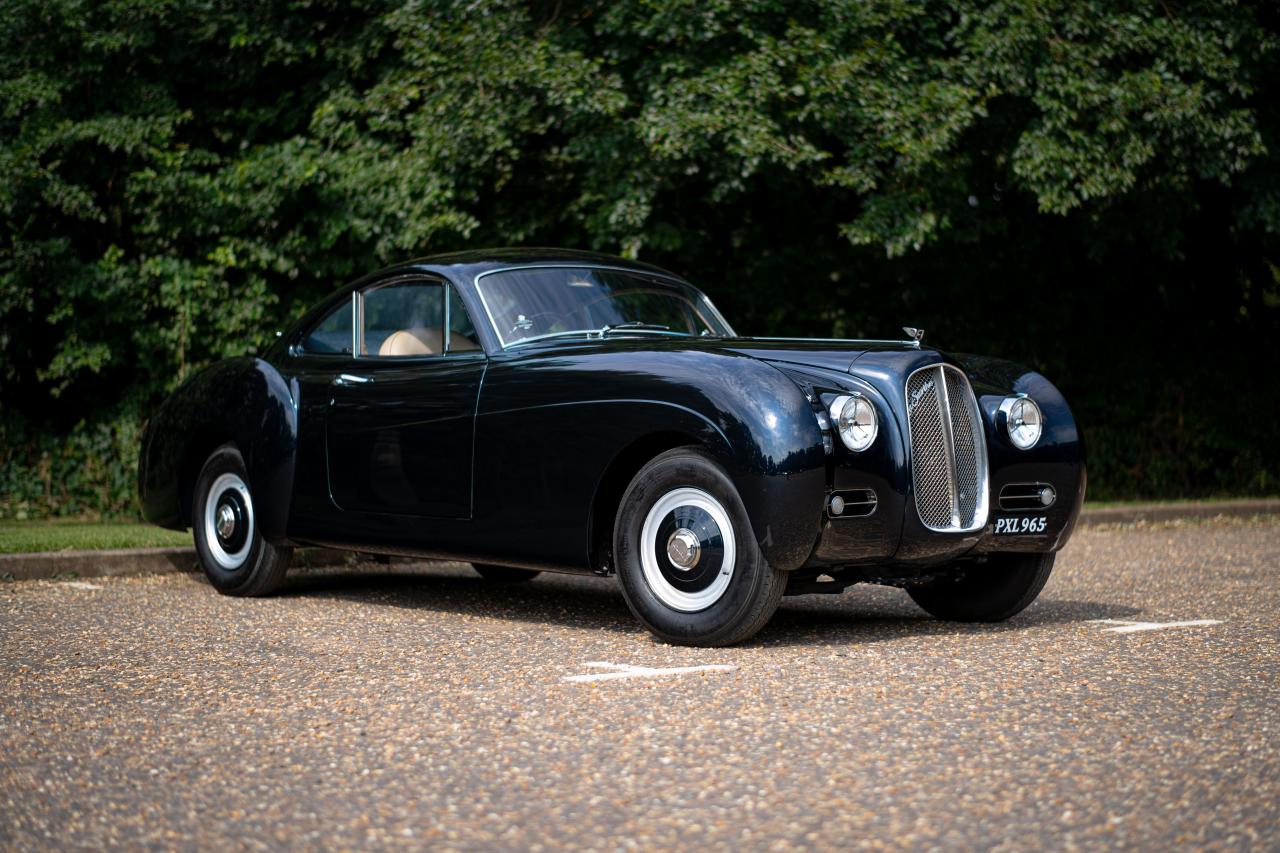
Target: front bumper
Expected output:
[894,535]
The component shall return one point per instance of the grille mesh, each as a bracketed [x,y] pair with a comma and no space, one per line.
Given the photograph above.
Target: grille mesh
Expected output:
[948,451]
[929,466]
[964,445]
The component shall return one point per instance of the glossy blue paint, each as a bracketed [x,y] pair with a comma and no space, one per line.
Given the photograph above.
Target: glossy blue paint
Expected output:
[394,436]
[519,456]
[240,400]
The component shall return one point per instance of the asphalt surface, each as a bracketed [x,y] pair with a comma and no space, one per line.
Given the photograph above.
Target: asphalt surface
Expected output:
[431,709]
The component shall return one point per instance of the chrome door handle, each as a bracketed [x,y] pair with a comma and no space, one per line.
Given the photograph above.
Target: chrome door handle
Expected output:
[350,379]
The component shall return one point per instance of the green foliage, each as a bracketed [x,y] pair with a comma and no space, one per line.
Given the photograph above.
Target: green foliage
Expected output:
[88,471]
[1087,186]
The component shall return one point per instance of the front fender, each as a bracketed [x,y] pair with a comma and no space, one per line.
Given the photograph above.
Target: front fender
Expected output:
[774,454]
[1058,457]
[241,400]
[552,426]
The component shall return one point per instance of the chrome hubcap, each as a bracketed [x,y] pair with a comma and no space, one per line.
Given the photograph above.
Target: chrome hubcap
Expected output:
[683,549]
[226,521]
[688,550]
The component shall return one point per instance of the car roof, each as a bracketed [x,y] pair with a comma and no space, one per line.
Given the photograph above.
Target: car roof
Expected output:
[467,265]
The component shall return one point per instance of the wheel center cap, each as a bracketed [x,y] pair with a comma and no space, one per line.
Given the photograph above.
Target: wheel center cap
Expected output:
[226,522]
[683,549]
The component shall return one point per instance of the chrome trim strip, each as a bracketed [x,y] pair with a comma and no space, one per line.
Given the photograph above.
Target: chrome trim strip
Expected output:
[357,323]
[912,344]
[357,304]
[446,332]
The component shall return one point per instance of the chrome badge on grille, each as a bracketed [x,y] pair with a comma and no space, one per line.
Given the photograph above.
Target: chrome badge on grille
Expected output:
[916,395]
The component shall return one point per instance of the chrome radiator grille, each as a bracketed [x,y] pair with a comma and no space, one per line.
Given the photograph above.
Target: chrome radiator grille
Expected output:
[948,450]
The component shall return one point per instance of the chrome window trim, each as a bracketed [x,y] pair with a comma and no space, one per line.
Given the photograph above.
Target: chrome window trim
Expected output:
[357,323]
[503,345]
[357,315]
[447,331]
[982,509]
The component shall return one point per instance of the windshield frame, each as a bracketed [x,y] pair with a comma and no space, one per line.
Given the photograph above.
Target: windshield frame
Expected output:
[703,303]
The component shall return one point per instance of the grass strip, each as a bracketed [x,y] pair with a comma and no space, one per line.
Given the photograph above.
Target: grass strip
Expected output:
[27,537]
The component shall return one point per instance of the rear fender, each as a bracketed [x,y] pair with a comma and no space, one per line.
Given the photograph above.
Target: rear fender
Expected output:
[244,401]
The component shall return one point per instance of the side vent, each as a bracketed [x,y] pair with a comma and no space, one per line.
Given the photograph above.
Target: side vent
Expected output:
[1024,497]
[852,503]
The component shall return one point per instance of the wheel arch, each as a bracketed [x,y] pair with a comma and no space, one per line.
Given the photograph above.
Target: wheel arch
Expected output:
[757,424]
[205,439]
[614,481]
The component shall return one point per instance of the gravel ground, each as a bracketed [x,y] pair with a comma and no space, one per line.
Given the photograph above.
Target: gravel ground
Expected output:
[426,707]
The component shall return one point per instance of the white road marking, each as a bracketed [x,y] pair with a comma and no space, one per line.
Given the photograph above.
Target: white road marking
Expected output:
[82,585]
[1126,626]
[623,670]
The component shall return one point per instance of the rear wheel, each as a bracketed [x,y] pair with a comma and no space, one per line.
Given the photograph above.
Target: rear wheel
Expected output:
[988,592]
[504,574]
[687,557]
[235,557]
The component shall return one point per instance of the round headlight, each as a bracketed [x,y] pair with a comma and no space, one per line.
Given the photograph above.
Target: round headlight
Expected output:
[856,421]
[1023,420]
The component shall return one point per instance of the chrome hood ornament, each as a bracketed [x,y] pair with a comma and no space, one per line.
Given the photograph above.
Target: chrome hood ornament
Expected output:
[915,334]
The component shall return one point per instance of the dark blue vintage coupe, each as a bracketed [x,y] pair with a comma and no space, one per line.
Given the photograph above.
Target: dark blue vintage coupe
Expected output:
[544,410]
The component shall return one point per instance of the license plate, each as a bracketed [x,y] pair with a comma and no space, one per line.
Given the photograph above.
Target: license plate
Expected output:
[1020,525]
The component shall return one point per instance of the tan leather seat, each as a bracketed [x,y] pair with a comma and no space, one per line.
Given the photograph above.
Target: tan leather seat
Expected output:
[411,342]
[461,343]
[423,342]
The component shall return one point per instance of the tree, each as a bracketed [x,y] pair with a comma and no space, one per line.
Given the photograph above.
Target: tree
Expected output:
[1076,184]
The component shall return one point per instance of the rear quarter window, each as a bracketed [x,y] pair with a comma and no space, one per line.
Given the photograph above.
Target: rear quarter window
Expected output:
[332,334]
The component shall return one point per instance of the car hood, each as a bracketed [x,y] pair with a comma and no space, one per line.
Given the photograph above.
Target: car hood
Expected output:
[826,354]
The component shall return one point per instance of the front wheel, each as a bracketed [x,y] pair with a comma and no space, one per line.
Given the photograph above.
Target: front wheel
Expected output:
[235,557]
[684,550]
[986,592]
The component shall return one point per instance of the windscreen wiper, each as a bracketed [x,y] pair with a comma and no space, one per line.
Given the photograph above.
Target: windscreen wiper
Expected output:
[635,324]
[599,333]
[564,333]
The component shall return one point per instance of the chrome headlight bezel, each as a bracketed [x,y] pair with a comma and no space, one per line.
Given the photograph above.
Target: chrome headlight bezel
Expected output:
[1023,421]
[855,419]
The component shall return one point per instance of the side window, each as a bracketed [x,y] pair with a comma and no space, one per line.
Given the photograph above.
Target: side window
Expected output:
[462,334]
[332,334]
[404,319]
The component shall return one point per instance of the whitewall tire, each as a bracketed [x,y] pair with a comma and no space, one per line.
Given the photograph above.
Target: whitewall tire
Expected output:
[686,554]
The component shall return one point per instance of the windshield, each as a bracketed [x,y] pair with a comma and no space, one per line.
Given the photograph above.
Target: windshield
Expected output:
[543,302]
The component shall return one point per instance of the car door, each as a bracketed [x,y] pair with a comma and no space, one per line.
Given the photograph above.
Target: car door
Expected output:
[400,418]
